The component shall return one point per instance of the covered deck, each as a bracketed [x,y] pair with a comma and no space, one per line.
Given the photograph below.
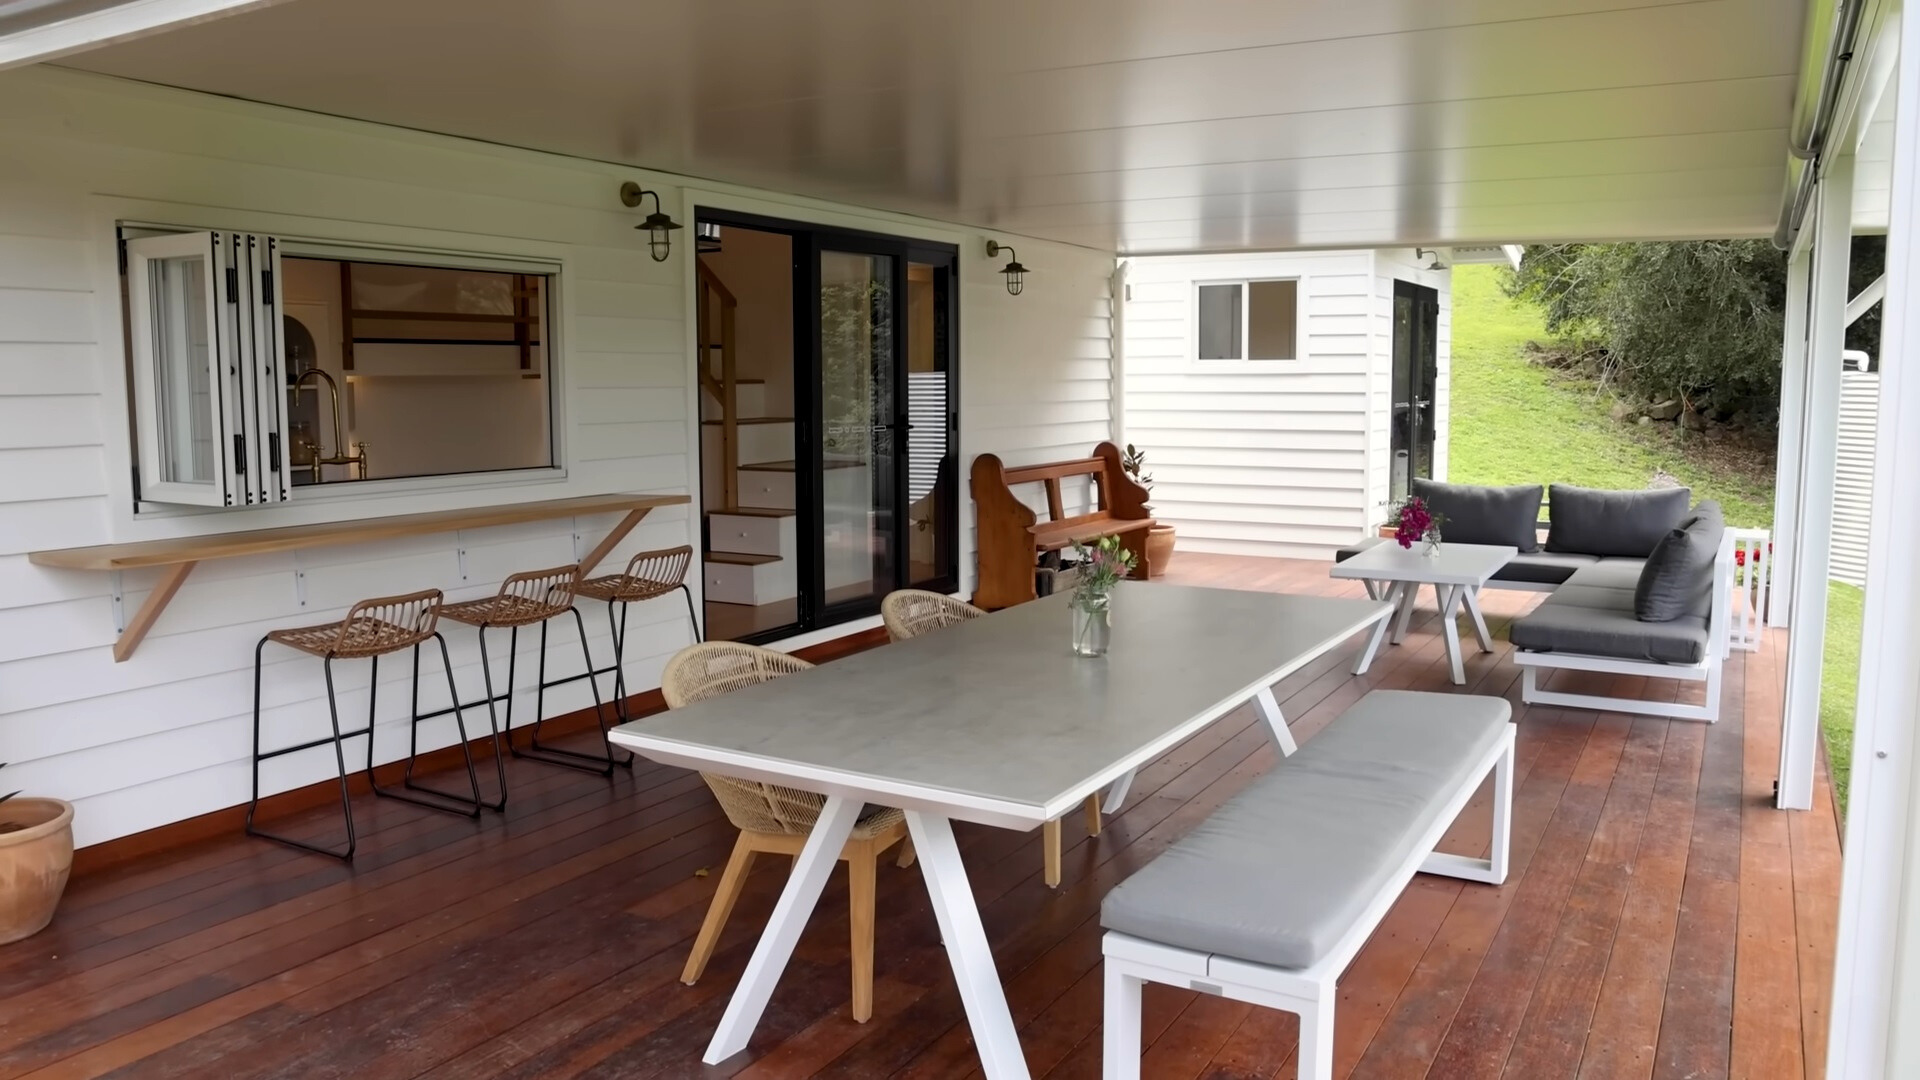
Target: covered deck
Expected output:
[1661,919]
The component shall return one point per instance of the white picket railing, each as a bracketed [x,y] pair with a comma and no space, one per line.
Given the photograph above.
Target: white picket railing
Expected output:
[1752,584]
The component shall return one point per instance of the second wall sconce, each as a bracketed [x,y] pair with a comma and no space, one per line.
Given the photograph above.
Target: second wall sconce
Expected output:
[657,225]
[1016,274]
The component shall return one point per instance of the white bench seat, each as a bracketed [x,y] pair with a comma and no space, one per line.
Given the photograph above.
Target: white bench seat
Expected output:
[1268,900]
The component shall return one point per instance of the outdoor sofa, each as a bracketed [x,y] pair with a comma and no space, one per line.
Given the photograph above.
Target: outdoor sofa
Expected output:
[1640,583]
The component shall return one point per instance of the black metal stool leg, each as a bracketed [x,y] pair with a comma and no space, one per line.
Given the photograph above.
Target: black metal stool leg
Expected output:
[603,764]
[339,756]
[466,808]
[465,805]
[493,717]
[691,617]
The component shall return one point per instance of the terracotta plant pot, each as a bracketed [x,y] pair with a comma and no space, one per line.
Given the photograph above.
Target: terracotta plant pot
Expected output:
[35,859]
[1159,549]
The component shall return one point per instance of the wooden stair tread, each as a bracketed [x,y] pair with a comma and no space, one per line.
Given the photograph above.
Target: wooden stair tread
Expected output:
[735,558]
[752,420]
[789,466]
[754,511]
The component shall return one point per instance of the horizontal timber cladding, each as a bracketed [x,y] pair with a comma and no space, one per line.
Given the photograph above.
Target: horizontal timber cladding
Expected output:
[165,736]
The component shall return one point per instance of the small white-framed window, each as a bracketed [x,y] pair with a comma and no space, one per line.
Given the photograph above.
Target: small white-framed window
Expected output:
[264,368]
[1247,320]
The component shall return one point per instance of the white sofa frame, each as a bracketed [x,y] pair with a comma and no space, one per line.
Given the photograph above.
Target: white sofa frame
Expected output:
[1707,670]
[1131,962]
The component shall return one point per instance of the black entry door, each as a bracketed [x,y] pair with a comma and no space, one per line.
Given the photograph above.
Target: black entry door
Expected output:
[1416,328]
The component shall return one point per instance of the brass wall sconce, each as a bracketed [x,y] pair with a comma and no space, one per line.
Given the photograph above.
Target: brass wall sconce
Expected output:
[1016,274]
[657,225]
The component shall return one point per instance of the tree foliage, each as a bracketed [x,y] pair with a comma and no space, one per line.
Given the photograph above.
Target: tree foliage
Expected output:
[1699,321]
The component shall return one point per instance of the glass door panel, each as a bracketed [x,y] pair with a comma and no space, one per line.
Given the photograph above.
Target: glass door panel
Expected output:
[859,447]
[932,466]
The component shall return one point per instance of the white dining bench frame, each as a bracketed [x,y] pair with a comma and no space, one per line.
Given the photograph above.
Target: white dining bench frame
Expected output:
[1310,993]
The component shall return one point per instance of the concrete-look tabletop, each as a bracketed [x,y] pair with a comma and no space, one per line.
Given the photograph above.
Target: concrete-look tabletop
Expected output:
[1455,564]
[995,720]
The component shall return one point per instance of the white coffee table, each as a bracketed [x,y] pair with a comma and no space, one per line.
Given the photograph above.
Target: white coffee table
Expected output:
[1456,572]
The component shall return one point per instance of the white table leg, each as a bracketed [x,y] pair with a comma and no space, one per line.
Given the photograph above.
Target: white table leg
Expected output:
[1472,594]
[810,871]
[1276,724]
[1409,591]
[1379,632]
[967,950]
[1450,629]
[1116,794]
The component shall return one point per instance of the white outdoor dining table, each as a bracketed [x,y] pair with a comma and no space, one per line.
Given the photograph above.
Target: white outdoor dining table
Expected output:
[992,721]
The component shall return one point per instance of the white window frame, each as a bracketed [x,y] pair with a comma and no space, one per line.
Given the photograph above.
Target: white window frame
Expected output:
[152,500]
[1246,314]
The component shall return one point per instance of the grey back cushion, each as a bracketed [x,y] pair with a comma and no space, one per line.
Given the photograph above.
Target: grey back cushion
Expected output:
[1507,516]
[1678,577]
[1625,524]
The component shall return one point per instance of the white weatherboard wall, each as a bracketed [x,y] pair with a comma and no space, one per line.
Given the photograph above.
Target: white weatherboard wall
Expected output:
[165,736]
[1853,476]
[1269,457]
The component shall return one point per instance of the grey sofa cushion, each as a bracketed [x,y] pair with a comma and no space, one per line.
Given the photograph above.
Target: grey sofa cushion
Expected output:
[1678,577]
[1279,874]
[1543,567]
[1592,521]
[1485,515]
[1363,544]
[1592,615]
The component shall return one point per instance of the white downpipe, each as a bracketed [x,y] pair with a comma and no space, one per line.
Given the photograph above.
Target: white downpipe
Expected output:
[1793,410]
[1876,989]
[1820,444]
[1117,349]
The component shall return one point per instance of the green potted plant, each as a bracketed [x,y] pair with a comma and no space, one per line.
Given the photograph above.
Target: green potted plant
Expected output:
[1160,536]
[36,855]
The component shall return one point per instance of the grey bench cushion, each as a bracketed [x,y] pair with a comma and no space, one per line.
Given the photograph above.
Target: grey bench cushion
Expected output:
[1281,872]
[1543,567]
[1592,615]
[1596,521]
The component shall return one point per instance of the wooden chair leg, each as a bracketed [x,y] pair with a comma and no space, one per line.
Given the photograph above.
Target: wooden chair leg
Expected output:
[731,881]
[862,870]
[906,854]
[1050,840]
[1093,815]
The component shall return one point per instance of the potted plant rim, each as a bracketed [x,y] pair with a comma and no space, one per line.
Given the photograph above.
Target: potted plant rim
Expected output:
[1160,537]
[36,856]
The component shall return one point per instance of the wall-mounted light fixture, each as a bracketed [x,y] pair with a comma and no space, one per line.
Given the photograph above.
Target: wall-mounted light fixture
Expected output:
[1423,253]
[1016,274]
[658,226]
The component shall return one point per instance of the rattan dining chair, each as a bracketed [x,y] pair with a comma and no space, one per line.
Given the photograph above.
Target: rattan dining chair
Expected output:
[775,819]
[910,613]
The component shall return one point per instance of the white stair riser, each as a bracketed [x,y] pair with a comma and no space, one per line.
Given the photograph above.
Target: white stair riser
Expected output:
[732,583]
[766,489]
[758,443]
[750,534]
[749,398]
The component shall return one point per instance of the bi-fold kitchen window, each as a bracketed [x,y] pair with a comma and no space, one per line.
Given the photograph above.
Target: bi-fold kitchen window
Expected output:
[207,368]
[264,371]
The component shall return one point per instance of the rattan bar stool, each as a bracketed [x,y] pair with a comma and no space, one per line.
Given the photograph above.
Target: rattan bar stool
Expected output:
[372,629]
[536,596]
[649,575]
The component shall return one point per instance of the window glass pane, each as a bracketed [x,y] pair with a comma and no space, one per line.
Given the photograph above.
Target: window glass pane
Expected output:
[398,370]
[1273,311]
[932,472]
[1219,318]
[182,382]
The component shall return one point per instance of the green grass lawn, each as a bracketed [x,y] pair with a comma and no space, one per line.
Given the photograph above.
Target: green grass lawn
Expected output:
[1518,422]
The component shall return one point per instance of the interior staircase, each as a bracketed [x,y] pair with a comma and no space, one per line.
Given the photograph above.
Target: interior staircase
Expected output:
[750,550]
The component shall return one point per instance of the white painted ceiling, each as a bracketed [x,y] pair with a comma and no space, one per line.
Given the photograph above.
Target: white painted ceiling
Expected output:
[1140,126]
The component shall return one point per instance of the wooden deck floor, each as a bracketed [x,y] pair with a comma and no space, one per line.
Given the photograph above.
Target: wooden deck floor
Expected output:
[1660,921]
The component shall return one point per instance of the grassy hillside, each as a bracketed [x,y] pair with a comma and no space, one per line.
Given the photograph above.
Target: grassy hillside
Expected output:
[1517,422]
